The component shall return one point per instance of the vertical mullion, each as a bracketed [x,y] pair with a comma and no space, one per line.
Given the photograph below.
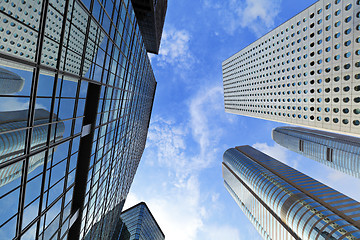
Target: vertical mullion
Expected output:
[83,164]
[31,116]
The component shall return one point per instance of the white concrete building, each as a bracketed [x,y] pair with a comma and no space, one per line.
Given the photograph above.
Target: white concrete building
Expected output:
[305,72]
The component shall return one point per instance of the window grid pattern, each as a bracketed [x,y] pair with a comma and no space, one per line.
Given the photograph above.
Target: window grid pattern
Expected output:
[304,72]
[264,222]
[311,209]
[141,224]
[334,150]
[55,50]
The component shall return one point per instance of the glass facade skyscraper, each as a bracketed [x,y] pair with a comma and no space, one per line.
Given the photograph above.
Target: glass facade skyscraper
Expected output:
[150,15]
[334,150]
[283,203]
[141,224]
[135,223]
[85,64]
[304,72]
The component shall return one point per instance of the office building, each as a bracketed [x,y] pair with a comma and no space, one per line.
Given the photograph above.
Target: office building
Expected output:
[283,203]
[141,224]
[334,150]
[304,72]
[85,62]
[134,223]
[12,140]
[119,232]
[150,15]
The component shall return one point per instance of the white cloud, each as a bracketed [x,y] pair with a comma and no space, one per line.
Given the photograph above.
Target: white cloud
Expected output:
[276,151]
[257,15]
[221,232]
[15,104]
[12,104]
[178,200]
[177,209]
[174,48]
[169,138]
[202,109]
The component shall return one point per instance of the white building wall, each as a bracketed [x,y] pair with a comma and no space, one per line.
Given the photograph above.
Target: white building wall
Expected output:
[304,72]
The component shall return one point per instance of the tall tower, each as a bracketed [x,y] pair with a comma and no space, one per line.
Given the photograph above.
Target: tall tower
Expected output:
[150,15]
[134,223]
[304,72]
[283,203]
[141,224]
[334,150]
[85,62]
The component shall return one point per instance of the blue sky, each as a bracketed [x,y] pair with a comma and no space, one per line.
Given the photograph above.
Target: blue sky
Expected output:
[179,176]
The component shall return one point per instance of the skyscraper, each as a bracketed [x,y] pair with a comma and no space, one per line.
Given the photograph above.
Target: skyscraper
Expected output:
[12,140]
[304,72]
[141,224]
[334,150]
[119,232]
[86,63]
[150,15]
[134,223]
[283,203]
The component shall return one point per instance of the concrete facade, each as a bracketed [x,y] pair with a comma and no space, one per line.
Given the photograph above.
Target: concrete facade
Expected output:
[305,72]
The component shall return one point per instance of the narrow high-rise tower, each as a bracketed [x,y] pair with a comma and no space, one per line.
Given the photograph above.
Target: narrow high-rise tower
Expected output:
[334,150]
[304,72]
[283,203]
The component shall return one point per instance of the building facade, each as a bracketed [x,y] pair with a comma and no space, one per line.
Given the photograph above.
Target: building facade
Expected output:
[304,72]
[21,41]
[84,62]
[334,150]
[141,224]
[12,140]
[119,232]
[283,203]
[150,15]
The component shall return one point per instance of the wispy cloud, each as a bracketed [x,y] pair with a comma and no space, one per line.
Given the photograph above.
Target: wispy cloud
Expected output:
[215,232]
[257,15]
[15,104]
[275,151]
[171,138]
[177,210]
[174,49]
[179,201]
